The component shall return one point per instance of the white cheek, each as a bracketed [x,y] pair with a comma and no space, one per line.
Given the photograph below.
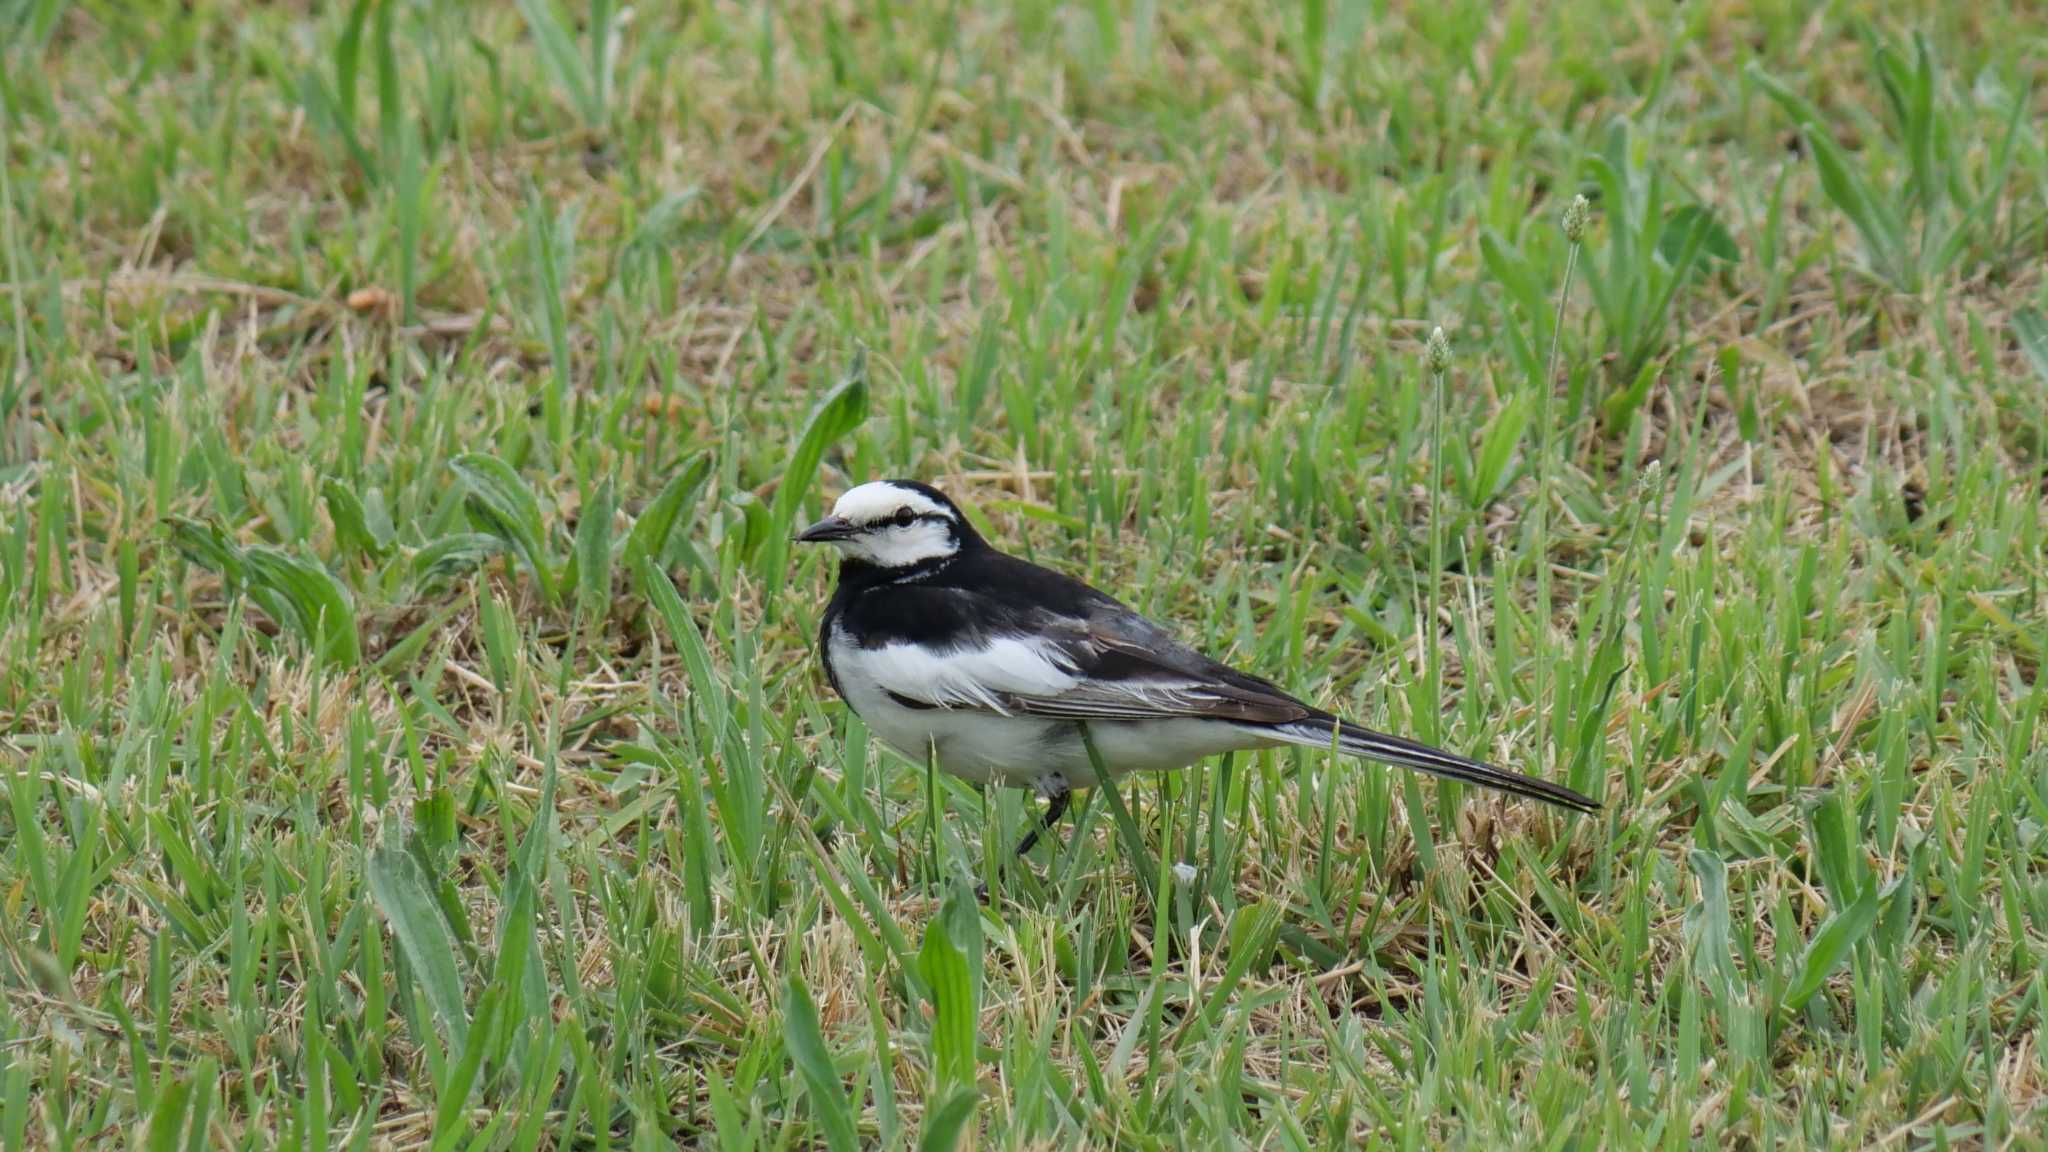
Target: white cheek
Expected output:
[855,549]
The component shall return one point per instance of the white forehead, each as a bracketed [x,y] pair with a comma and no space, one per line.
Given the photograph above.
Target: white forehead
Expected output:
[879,499]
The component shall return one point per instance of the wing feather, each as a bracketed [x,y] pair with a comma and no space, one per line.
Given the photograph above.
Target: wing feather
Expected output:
[1155,700]
[1110,664]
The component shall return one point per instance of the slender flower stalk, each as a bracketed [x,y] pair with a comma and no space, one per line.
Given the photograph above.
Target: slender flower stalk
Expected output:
[1436,357]
[1576,217]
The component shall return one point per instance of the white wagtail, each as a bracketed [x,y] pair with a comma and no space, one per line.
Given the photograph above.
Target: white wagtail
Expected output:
[947,647]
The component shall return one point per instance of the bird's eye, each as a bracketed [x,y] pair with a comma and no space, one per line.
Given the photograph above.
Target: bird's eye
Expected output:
[904,518]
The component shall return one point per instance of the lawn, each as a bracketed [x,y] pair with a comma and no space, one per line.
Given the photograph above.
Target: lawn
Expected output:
[410,729]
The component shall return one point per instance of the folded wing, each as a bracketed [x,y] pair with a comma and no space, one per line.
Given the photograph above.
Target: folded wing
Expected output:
[1108,665]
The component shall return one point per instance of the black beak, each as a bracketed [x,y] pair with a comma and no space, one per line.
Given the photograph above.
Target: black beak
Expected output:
[830,528]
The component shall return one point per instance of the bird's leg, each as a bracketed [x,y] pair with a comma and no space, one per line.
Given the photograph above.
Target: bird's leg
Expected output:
[1056,792]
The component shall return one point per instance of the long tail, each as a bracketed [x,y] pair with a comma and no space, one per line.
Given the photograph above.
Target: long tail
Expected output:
[1356,741]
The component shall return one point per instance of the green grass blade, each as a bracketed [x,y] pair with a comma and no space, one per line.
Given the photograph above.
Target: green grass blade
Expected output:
[805,1044]
[402,894]
[452,557]
[500,504]
[351,523]
[648,539]
[835,416]
[950,962]
[946,1122]
[1830,947]
[565,65]
[2031,329]
[594,555]
[316,605]
[1142,860]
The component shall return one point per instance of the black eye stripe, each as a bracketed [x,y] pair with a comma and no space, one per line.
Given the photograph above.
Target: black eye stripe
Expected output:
[904,517]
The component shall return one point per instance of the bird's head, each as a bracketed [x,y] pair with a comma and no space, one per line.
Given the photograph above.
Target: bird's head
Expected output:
[893,524]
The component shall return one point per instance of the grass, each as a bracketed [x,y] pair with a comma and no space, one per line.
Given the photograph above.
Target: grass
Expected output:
[409,733]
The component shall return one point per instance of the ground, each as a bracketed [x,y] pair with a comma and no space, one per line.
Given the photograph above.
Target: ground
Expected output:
[410,732]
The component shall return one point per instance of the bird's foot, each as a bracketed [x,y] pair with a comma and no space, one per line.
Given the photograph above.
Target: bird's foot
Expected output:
[1057,793]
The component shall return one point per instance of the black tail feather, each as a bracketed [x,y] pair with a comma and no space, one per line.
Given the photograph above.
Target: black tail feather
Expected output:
[1364,742]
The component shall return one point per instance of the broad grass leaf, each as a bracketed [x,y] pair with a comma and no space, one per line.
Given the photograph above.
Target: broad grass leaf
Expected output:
[451,1114]
[207,546]
[402,894]
[948,962]
[1497,448]
[946,1122]
[167,1116]
[351,523]
[451,557]
[500,503]
[1844,186]
[1511,270]
[649,536]
[1715,242]
[594,553]
[805,1042]
[1707,933]
[517,968]
[2032,330]
[564,64]
[1831,946]
[312,602]
[842,410]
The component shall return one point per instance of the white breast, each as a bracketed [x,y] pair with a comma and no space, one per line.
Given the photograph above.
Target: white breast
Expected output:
[973,739]
[975,677]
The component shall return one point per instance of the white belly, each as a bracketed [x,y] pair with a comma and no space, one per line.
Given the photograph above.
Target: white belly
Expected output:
[988,747]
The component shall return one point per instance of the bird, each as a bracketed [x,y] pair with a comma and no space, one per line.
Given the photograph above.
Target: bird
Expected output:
[948,647]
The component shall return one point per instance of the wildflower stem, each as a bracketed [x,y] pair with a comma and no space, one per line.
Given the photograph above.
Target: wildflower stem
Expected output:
[1438,359]
[1575,233]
